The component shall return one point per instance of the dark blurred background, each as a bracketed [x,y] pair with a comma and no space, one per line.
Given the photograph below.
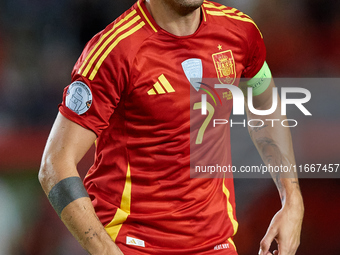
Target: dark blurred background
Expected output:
[41,40]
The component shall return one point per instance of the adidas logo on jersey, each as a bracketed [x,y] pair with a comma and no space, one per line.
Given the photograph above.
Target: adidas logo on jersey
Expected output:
[162,86]
[135,241]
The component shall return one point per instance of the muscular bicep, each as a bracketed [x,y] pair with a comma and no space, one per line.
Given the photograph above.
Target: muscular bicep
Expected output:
[69,139]
[66,145]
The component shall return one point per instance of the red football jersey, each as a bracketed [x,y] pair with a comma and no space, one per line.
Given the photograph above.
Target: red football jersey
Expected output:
[131,87]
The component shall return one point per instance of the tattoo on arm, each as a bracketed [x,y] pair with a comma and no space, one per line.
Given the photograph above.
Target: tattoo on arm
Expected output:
[271,154]
[269,151]
[65,192]
[257,128]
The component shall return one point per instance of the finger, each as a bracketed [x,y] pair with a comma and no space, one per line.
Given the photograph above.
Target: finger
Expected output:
[276,252]
[266,253]
[266,241]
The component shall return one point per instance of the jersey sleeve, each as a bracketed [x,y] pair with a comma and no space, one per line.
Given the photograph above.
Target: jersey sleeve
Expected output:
[95,90]
[256,53]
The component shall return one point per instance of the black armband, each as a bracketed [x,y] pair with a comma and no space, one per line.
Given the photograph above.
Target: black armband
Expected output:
[65,192]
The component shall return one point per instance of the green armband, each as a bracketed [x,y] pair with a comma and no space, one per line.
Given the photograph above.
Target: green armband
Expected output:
[260,82]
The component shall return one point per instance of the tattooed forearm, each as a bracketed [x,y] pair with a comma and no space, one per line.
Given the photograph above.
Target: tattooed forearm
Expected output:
[90,234]
[269,151]
[271,155]
[256,128]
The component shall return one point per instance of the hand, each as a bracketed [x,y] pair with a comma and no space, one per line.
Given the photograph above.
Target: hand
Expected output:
[285,228]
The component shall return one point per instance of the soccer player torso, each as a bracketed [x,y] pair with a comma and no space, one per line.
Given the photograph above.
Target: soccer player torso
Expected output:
[146,90]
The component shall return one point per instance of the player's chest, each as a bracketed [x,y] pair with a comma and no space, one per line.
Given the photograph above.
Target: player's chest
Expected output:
[168,80]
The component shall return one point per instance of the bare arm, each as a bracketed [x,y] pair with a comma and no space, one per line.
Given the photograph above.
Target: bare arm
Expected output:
[67,144]
[274,144]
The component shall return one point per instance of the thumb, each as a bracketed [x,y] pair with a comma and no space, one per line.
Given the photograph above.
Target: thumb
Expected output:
[267,241]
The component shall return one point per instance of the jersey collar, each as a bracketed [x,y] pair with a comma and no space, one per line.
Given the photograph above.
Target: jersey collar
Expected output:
[147,16]
[152,23]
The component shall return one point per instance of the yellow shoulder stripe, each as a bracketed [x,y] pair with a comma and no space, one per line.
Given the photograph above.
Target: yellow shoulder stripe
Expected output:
[109,42]
[230,13]
[114,44]
[211,5]
[104,36]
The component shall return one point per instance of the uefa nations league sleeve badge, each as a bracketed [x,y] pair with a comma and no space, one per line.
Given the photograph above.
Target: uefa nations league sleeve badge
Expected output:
[78,97]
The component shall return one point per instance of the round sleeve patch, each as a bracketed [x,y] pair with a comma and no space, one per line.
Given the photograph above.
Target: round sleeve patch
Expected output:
[78,97]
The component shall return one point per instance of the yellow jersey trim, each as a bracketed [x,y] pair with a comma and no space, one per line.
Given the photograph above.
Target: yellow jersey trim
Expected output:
[113,45]
[230,209]
[102,39]
[109,43]
[146,17]
[230,240]
[203,11]
[109,40]
[123,212]
[223,11]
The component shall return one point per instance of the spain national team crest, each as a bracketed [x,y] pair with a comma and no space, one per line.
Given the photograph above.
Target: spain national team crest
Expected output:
[225,66]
